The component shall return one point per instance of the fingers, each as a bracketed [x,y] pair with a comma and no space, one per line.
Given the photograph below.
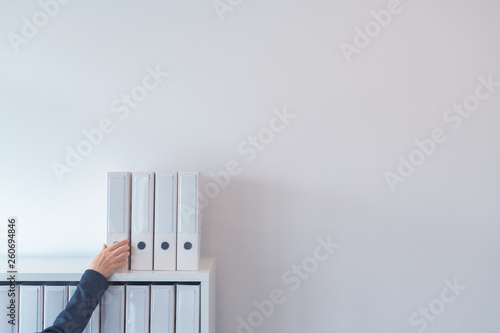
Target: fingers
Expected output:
[112,258]
[118,244]
[121,265]
[122,256]
[124,249]
[119,252]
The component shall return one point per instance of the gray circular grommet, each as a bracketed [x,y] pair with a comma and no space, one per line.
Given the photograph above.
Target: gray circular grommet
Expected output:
[165,245]
[188,245]
[141,245]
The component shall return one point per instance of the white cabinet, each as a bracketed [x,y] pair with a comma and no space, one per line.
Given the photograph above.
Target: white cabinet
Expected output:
[33,271]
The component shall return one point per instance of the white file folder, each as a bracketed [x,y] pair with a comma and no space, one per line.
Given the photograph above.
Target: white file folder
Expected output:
[5,296]
[55,299]
[137,309]
[113,309]
[141,254]
[162,309]
[165,236]
[30,309]
[94,322]
[118,208]
[187,309]
[188,222]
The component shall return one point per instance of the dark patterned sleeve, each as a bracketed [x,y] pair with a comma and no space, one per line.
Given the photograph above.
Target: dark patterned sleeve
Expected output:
[76,315]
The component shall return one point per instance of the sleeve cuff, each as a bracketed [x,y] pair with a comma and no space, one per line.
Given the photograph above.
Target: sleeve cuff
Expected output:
[94,281]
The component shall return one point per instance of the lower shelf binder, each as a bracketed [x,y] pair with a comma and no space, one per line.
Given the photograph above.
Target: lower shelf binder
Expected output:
[5,299]
[55,299]
[137,309]
[113,309]
[162,309]
[187,310]
[30,309]
[94,323]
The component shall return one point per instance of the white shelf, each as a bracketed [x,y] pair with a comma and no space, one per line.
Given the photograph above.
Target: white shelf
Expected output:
[67,269]
[71,270]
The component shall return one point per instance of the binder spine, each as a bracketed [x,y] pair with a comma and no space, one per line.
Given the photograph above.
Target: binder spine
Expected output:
[189,218]
[142,221]
[118,208]
[165,235]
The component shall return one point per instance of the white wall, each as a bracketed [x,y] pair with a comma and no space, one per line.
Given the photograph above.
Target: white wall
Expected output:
[322,176]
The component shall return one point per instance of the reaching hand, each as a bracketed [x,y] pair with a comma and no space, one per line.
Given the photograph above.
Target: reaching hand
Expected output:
[111,259]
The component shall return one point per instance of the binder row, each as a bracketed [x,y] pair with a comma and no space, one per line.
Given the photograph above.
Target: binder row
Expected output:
[143,308]
[159,213]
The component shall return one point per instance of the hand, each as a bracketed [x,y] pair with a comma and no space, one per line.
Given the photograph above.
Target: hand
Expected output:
[111,259]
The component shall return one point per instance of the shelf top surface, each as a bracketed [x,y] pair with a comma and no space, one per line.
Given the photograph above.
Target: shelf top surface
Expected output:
[71,269]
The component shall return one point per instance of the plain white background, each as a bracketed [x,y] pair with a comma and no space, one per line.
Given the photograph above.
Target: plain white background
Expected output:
[322,176]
